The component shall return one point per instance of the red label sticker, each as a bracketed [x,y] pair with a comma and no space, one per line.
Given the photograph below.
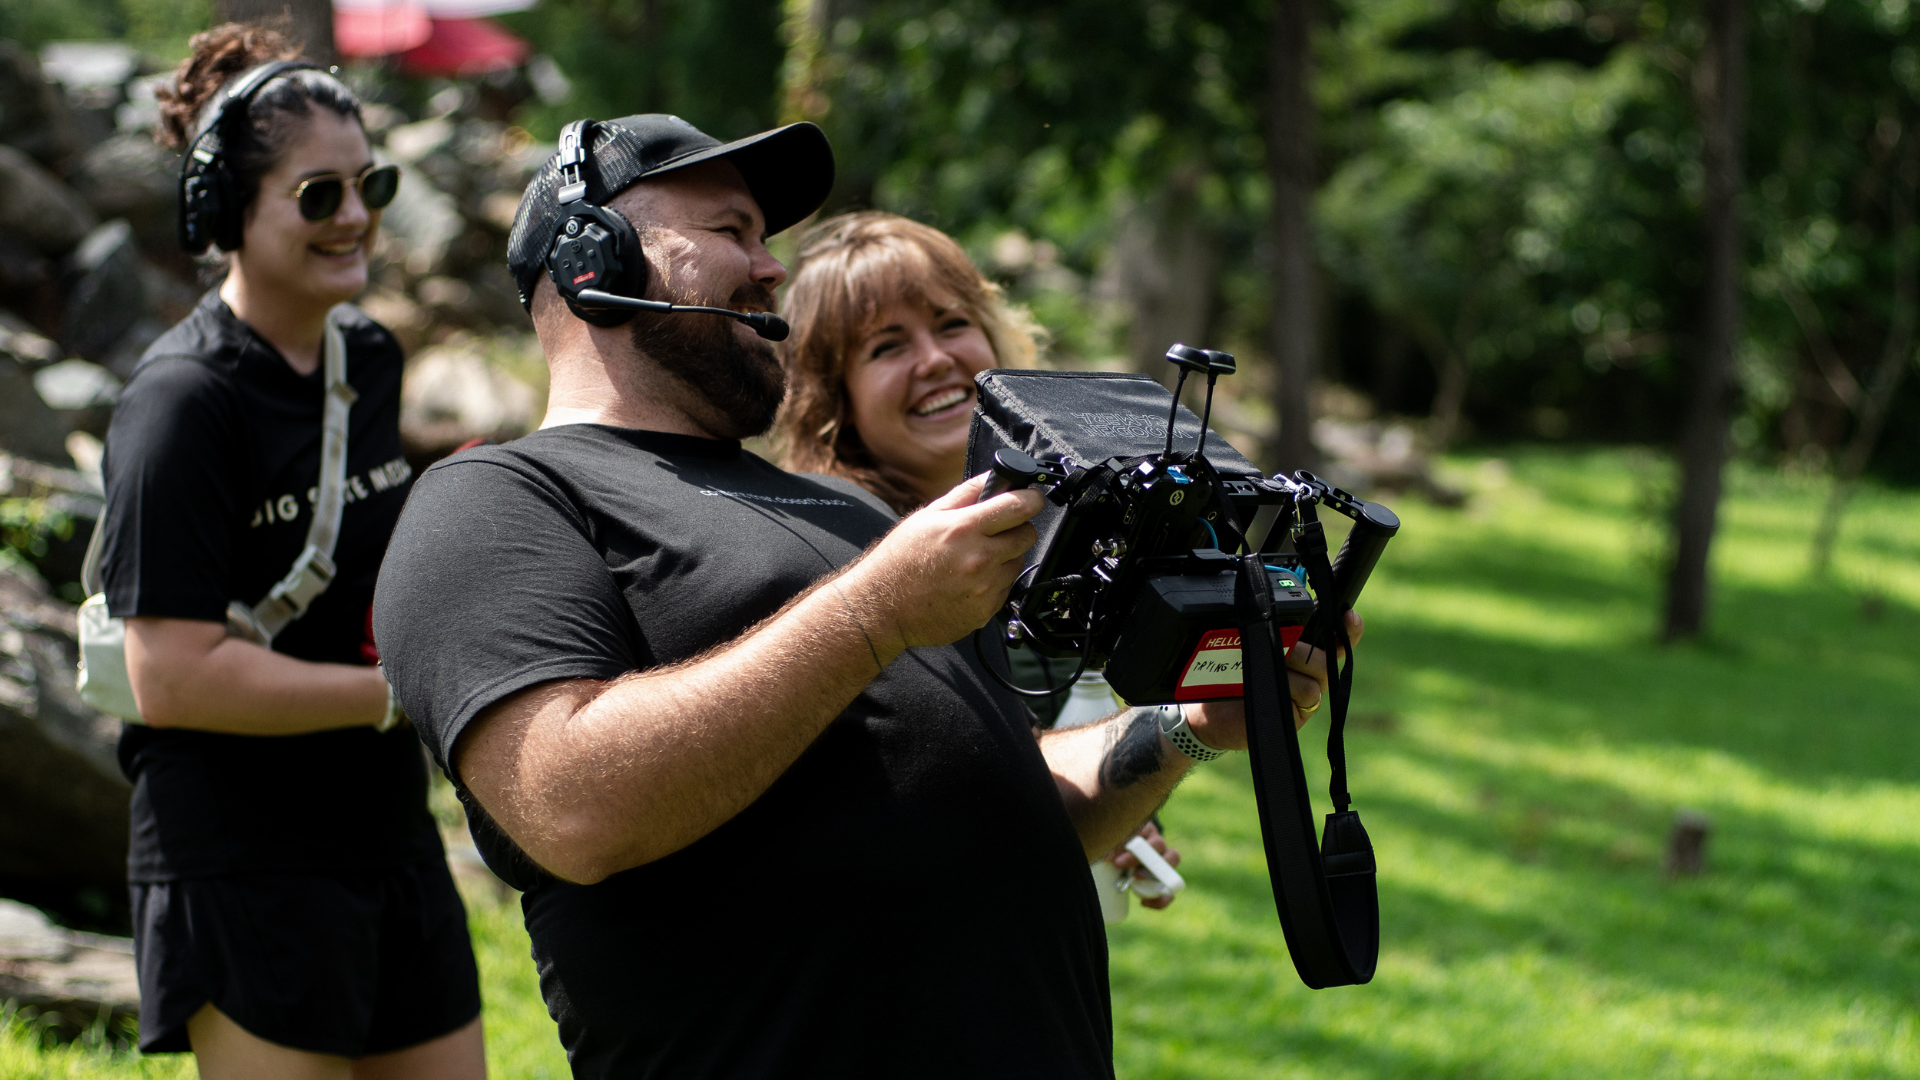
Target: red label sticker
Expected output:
[588,276]
[1214,670]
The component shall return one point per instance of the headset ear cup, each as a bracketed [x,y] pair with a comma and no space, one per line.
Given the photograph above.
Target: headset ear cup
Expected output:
[595,248]
[229,224]
[633,261]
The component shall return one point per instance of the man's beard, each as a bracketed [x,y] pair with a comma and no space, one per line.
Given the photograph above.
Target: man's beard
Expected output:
[741,382]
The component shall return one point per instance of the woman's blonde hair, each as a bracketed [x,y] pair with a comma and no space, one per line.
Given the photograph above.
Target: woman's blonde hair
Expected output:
[850,269]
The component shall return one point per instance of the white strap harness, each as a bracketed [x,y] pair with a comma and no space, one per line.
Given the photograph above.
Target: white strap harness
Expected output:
[103,681]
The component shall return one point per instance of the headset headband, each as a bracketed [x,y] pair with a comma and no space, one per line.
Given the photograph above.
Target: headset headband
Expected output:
[242,89]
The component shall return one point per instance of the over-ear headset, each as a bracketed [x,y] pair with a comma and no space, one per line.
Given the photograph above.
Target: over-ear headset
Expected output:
[595,260]
[211,199]
[593,248]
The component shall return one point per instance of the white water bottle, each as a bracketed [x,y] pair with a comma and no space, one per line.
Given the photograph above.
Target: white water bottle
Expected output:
[1090,701]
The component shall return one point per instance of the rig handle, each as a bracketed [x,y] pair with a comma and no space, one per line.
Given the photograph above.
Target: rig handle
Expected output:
[1372,528]
[1011,469]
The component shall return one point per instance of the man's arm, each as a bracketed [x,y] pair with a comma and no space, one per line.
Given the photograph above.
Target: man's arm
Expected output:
[187,673]
[1113,775]
[590,778]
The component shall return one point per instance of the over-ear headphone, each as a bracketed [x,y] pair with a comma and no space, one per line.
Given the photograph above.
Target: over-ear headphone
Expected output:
[595,260]
[210,196]
[593,249]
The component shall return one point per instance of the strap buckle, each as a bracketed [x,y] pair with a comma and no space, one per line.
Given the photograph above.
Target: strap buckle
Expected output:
[312,572]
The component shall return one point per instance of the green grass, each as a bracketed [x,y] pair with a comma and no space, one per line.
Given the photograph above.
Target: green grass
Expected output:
[1523,746]
[1520,746]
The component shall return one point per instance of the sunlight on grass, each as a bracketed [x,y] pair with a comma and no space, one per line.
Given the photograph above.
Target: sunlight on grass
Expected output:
[1520,747]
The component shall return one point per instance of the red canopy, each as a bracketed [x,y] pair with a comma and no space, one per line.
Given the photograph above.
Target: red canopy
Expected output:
[379,29]
[460,47]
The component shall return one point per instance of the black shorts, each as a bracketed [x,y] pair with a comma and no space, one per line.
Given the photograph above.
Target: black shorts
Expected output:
[352,963]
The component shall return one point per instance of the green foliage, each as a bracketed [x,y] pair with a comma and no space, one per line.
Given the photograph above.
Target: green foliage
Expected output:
[714,62]
[159,27]
[26,526]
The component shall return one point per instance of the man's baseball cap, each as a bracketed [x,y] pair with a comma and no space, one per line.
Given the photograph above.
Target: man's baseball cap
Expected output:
[789,171]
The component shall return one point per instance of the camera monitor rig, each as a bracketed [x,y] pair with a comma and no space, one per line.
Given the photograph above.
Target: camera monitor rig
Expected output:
[1146,566]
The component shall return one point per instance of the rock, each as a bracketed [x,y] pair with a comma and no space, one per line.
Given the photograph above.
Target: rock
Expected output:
[68,976]
[33,115]
[451,394]
[76,384]
[28,426]
[37,209]
[1367,455]
[110,293]
[63,802]
[419,224]
[408,143]
[94,75]
[20,341]
[21,268]
[130,176]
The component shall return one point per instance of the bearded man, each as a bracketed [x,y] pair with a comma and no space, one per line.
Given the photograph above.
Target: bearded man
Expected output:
[708,715]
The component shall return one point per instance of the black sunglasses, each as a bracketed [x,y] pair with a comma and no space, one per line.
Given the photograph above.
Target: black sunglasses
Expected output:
[320,196]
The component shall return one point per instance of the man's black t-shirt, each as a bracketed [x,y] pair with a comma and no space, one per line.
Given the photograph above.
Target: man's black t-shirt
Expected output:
[212,470]
[908,899]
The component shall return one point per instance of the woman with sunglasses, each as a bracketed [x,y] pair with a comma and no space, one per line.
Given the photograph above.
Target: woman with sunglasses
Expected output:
[293,913]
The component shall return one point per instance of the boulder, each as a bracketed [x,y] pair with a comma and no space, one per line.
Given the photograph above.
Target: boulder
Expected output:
[109,291]
[33,115]
[420,223]
[21,268]
[130,176]
[451,394]
[37,209]
[28,426]
[70,978]
[63,802]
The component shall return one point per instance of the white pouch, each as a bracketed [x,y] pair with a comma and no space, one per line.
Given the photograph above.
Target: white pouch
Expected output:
[103,680]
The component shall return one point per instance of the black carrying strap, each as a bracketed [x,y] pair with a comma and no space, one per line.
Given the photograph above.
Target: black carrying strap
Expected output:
[1328,901]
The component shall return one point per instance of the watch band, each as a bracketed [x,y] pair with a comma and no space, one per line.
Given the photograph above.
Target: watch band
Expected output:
[1173,724]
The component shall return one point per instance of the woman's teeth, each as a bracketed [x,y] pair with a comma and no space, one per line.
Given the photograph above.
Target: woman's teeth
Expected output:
[346,248]
[943,401]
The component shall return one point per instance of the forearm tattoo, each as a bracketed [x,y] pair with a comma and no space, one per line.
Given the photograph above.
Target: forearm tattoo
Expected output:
[1133,750]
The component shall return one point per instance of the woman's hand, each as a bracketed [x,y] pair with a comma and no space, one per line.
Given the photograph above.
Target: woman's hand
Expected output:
[1223,724]
[1128,863]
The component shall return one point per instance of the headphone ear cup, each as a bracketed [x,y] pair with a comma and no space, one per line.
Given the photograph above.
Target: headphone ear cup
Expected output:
[228,224]
[196,222]
[595,248]
[632,280]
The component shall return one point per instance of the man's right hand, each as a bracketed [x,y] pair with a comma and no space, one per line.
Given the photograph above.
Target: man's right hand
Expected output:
[945,569]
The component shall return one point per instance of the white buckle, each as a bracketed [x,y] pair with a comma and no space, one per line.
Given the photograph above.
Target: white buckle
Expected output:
[311,574]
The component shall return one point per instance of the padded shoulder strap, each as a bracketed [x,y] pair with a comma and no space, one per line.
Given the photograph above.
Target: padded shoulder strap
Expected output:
[313,571]
[1326,893]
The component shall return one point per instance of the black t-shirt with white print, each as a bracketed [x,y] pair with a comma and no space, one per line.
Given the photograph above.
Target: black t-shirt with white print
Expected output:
[212,469]
[908,899]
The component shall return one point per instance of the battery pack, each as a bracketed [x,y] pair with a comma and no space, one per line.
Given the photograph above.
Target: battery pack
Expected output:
[1182,641]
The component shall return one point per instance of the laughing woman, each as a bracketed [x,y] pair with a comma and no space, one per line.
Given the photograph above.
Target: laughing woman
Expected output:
[293,914]
[891,322]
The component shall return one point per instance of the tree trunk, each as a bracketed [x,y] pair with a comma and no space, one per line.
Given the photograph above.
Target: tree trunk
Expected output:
[1876,398]
[1290,170]
[310,22]
[1166,272]
[1720,91]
